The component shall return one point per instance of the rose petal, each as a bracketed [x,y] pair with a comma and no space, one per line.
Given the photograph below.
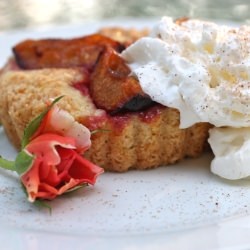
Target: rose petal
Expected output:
[67,158]
[71,184]
[45,195]
[31,180]
[61,122]
[84,170]
[49,176]
[43,124]
[45,146]
[46,191]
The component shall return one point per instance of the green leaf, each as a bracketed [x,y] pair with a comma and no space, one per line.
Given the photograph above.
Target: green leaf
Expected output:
[34,124]
[6,164]
[42,204]
[99,130]
[23,162]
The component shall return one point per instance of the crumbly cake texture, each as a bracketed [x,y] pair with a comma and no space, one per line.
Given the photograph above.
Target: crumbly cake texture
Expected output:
[26,94]
[128,140]
[125,36]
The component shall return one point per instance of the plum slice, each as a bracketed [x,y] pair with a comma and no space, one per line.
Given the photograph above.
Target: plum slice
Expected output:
[62,53]
[113,88]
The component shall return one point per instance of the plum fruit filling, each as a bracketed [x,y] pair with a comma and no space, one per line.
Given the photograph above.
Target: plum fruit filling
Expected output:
[62,53]
[136,103]
[109,83]
[112,88]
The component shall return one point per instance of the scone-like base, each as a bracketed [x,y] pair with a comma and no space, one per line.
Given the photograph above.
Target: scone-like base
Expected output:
[148,144]
[139,140]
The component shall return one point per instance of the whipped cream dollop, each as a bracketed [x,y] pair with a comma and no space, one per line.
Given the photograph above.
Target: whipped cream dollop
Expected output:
[231,147]
[203,70]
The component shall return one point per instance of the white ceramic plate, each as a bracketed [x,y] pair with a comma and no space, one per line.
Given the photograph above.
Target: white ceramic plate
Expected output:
[177,207]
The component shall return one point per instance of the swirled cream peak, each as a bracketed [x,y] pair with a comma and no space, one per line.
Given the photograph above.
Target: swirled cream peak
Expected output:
[200,68]
[203,70]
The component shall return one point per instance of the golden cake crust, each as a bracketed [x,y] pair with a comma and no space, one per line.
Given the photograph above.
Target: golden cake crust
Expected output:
[139,140]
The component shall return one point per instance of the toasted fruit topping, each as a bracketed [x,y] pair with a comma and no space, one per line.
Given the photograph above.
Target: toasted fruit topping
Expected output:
[62,53]
[112,88]
[136,103]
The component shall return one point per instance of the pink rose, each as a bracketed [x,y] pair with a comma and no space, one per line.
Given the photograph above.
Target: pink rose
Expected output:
[51,161]
[57,167]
